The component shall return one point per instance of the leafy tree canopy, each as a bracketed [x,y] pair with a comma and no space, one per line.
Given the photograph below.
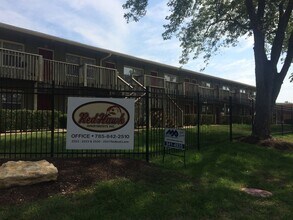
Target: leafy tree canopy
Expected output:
[204,26]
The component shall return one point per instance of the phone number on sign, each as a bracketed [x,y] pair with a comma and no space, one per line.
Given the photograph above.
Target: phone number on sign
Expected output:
[113,136]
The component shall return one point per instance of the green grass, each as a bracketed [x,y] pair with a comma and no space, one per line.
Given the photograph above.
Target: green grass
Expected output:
[208,188]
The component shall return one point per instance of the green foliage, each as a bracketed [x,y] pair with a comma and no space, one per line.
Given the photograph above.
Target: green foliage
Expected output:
[63,121]
[22,119]
[204,26]
[137,9]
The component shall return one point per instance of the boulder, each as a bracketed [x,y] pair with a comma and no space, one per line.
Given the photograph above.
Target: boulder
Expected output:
[15,173]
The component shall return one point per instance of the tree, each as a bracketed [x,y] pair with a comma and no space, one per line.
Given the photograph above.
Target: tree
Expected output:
[204,26]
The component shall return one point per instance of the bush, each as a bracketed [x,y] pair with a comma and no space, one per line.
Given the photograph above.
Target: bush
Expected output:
[22,119]
[63,121]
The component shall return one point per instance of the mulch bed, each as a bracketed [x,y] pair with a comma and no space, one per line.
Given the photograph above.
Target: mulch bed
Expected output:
[74,175]
[272,142]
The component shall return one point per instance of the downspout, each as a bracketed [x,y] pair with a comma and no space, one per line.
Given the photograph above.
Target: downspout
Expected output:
[106,57]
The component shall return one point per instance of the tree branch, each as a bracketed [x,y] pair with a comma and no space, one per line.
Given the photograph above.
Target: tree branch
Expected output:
[279,78]
[280,33]
[251,14]
[288,59]
[261,11]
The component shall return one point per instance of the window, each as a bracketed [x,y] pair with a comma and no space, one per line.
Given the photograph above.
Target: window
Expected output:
[129,71]
[186,80]
[12,46]
[79,60]
[242,91]
[194,81]
[206,84]
[11,99]
[71,58]
[170,78]
[226,88]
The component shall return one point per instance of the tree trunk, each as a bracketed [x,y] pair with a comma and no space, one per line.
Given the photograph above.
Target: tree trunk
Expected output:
[264,102]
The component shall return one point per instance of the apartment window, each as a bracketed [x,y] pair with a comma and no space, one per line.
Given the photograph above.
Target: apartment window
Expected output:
[154,73]
[79,60]
[206,84]
[226,88]
[129,71]
[186,80]
[11,99]
[75,59]
[170,78]
[194,81]
[12,46]
[242,91]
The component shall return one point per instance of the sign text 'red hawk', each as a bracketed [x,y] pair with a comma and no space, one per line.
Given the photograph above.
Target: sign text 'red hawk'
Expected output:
[100,116]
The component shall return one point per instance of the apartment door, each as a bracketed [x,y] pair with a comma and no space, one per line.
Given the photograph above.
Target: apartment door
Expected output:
[44,100]
[48,66]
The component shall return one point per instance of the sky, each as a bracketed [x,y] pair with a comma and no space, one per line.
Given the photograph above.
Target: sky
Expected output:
[100,23]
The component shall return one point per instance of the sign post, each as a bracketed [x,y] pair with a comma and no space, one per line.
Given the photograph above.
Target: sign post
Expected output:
[100,123]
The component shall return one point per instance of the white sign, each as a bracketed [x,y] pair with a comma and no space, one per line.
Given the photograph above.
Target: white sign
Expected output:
[174,138]
[100,123]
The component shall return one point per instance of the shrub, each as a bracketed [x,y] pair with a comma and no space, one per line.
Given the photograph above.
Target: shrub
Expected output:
[22,119]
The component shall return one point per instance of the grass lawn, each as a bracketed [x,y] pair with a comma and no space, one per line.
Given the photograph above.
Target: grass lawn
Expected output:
[208,188]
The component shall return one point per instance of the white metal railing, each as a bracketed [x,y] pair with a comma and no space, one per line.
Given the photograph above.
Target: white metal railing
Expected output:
[61,72]
[99,77]
[20,65]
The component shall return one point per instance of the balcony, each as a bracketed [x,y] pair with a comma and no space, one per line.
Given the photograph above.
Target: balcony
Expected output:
[206,92]
[154,81]
[224,94]
[26,66]
[190,89]
[244,98]
[20,65]
[173,87]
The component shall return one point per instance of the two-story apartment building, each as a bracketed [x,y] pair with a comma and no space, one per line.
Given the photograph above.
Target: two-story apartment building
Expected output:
[32,59]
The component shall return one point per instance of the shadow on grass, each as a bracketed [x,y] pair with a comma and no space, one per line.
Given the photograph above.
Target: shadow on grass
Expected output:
[208,188]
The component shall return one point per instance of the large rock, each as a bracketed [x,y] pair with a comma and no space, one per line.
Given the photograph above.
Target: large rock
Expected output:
[15,173]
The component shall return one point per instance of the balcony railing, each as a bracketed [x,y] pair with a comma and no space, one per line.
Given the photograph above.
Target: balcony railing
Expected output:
[190,89]
[100,77]
[206,92]
[62,73]
[154,81]
[75,75]
[173,87]
[20,65]
[244,98]
[224,94]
